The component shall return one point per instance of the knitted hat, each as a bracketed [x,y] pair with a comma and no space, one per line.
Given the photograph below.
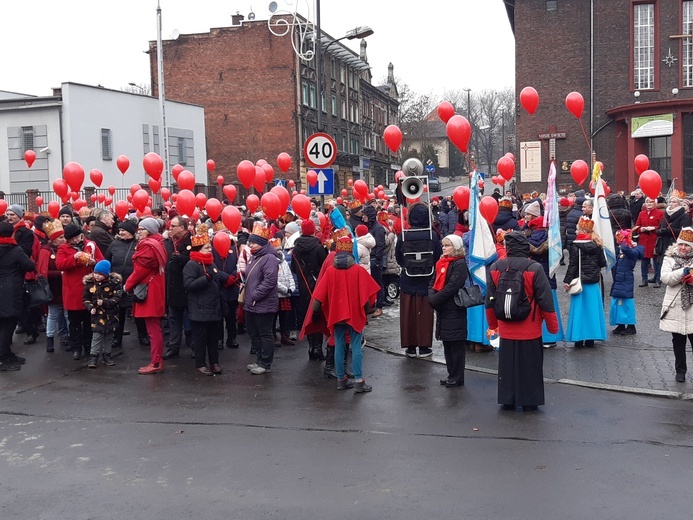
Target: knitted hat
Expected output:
[17,210]
[292,228]
[505,202]
[564,202]
[585,223]
[103,267]
[533,209]
[6,229]
[200,238]
[71,231]
[685,236]
[128,225]
[65,210]
[53,229]
[536,222]
[150,224]
[456,241]
[260,234]
[361,230]
[308,227]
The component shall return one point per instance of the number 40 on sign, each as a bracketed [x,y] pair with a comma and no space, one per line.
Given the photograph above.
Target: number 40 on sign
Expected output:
[320,150]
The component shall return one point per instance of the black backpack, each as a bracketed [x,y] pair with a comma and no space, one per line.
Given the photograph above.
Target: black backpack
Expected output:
[511,302]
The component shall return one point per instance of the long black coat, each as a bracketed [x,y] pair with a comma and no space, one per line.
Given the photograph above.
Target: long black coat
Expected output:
[203,284]
[670,227]
[229,266]
[120,253]
[177,259]
[14,263]
[571,222]
[587,258]
[451,320]
[306,261]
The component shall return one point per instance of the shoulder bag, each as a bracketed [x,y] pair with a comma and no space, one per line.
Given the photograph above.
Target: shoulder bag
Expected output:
[470,294]
[576,283]
[241,293]
[38,292]
[140,291]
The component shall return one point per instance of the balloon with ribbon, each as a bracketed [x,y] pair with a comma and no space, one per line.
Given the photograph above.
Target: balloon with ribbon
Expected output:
[284,161]
[650,183]
[73,173]
[153,164]
[165,194]
[211,165]
[393,137]
[642,163]
[350,182]
[605,187]
[579,171]
[271,205]
[123,163]
[312,178]
[231,218]
[230,193]
[53,208]
[140,199]
[506,167]
[259,181]
[39,201]
[461,197]
[79,204]
[252,202]
[301,206]
[575,104]
[459,131]
[154,185]
[344,192]
[222,244]
[213,208]
[529,99]
[488,207]
[111,190]
[445,111]
[246,173]
[284,198]
[93,197]
[200,200]
[185,203]
[29,157]
[361,187]
[60,187]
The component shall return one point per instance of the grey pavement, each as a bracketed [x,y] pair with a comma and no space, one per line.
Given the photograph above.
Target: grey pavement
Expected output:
[643,363]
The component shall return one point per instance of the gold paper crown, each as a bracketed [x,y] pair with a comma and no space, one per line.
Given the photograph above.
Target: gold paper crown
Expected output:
[84,212]
[53,229]
[275,242]
[355,204]
[686,235]
[343,232]
[505,202]
[201,237]
[344,244]
[218,226]
[679,194]
[260,230]
[586,223]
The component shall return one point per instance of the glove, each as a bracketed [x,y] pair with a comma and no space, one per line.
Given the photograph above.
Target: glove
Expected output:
[687,279]
[317,315]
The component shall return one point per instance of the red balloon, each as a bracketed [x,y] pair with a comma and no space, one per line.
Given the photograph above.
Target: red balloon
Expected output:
[269,172]
[284,198]
[100,196]
[230,192]
[111,189]
[165,194]
[461,197]
[153,164]
[93,197]
[529,99]
[509,154]
[445,111]
[186,180]
[231,218]
[246,173]
[211,165]
[284,161]
[74,195]
[60,187]
[79,204]
[605,187]
[134,188]
[361,187]
[292,183]
[29,157]
[154,185]
[222,244]
[642,163]
[322,219]
[174,197]
[140,199]
[575,104]
[53,208]
[185,202]
[220,180]
[39,201]
[195,215]
[129,197]
[506,167]
[176,170]
[301,206]
[252,202]
[73,173]
[201,200]
[488,207]
[344,192]
[339,200]
[312,178]
[579,171]
[259,181]
[123,163]
[107,201]
[393,137]
[501,181]
[350,182]
[260,162]
[121,209]
[650,183]
[213,207]
[481,184]
[271,205]
[459,132]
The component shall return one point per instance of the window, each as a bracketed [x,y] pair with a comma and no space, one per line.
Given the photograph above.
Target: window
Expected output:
[106,144]
[334,105]
[323,102]
[333,68]
[27,138]
[342,74]
[551,5]
[643,46]
[687,58]
[344,109]
[305,93]
[182,151]
[313,96]
[355,148]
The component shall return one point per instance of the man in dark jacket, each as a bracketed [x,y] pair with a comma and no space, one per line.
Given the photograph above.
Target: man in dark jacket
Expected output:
[306,260]
[378,254]
[573,217]
[506,219]
[636,202]
[619,215]
[178,249]
[355,209]
[102,232]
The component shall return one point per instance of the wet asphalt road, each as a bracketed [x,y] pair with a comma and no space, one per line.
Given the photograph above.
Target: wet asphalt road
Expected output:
[109,444]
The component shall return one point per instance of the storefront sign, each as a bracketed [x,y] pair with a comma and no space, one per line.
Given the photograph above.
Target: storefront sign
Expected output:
[652,126]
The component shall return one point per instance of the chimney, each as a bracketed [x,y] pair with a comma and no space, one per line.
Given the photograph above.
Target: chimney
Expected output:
[364,57]
[237,18]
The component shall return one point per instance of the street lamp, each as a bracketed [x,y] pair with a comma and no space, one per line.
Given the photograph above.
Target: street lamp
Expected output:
[469,101]
[162,99]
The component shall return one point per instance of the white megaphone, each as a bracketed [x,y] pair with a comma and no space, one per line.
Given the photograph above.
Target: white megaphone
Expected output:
[412,186]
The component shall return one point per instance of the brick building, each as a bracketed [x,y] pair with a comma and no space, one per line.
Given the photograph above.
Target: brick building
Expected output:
[632,61]
[260,99]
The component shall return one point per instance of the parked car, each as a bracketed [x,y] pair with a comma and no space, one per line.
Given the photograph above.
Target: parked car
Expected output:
[434,184]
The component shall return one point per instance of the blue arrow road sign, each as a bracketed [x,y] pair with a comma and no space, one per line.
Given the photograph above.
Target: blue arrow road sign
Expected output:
[430,168]
[325,184]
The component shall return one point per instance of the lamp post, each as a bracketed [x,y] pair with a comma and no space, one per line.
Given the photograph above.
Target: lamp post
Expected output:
[469,101]
[162,101]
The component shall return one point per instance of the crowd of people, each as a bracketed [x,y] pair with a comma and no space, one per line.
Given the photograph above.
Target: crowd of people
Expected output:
[324,278]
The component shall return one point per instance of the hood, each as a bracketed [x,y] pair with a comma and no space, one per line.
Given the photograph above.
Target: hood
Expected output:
[304,245]
[367,240]
[418,215]
[343,260]
[614,201]
[516,244]
[372,214]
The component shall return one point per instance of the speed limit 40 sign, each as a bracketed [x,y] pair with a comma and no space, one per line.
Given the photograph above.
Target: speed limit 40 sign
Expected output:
[320,150]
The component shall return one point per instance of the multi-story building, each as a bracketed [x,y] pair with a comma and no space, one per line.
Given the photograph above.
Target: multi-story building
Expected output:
[261,99]
[632,61]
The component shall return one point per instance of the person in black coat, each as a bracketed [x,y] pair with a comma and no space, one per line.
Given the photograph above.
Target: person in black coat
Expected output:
[14,264]
[506,218]
[178,249]
[203,283]
[451,320]
[119,253]
[636,202]
[675,218]
[102,232]
[573,217]
[229,265]
[620,216]
[378,254]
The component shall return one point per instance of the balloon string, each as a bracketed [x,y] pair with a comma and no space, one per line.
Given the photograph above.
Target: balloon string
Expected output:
[587,140]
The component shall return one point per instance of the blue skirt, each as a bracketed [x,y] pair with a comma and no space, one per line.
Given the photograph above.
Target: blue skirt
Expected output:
[622,311]
[586,316]
[546,336]
[477,324]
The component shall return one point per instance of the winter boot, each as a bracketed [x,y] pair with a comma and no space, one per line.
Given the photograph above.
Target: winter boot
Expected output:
[107,360]
[317,346]
[629,331]
[619,329]
[286,340]
[93,359]
[361,387]
[329,370]
[50,346]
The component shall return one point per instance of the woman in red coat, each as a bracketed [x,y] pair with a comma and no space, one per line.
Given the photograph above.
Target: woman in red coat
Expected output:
[148,264]
[646,224]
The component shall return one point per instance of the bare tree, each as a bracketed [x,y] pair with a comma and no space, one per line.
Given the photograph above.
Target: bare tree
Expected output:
[138,88]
